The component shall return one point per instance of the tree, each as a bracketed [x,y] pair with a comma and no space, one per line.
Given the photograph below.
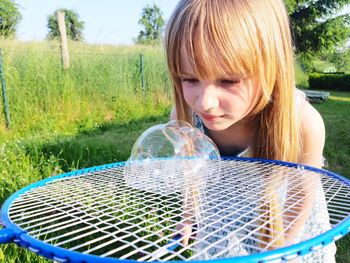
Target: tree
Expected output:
[153,23]
[341,59]
[318,25]
[74,27]
[9,17]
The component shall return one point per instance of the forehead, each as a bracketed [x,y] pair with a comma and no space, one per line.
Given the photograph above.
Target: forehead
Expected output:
[208,50]
[211,67]
[185,66]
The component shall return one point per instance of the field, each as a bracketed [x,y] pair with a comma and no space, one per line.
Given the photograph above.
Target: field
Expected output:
[104,83]
[93,113]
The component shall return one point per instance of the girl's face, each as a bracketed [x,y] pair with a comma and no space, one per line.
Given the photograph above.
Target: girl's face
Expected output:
[219,102]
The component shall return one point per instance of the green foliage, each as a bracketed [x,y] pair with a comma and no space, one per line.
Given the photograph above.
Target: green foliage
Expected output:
[317,25]
[74,27]
[320,64]
[329,81]
[340,59]
[102,85]
[9,17]
[301,77]
[153,23]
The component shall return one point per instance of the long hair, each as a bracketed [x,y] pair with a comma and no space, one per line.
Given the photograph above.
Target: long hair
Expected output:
[248,37]
[251,38]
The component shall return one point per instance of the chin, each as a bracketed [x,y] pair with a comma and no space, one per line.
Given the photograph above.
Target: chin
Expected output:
[218,126]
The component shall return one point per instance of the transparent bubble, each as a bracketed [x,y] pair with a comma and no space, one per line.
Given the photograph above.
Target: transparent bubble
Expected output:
[166,156]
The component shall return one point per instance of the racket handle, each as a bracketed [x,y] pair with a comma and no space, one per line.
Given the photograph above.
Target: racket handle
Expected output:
[6,236]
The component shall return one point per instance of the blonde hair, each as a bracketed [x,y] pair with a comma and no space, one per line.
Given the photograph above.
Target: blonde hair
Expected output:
[251,38]
[248,37]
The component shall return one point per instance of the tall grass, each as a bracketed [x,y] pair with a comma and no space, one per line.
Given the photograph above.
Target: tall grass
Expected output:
[103,83]
[65,120]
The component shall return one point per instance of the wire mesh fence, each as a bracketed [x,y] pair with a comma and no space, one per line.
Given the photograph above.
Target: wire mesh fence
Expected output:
[101,80]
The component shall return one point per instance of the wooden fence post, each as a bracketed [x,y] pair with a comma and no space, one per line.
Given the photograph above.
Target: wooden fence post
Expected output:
[64,42]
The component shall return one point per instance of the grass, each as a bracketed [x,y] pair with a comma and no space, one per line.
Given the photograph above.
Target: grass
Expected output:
[92,114]
[65,120]
[336,115]
[31,160]
[102,84]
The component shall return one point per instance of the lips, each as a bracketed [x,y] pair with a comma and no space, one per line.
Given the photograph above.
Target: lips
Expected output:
[209,117]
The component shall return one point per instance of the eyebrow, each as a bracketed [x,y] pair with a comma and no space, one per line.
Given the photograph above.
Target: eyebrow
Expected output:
[230,76]
[186,74]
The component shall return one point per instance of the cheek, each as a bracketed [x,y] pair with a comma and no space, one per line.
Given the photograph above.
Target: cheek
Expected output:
[246,98]
[232,102]
[238,100]
[189,95]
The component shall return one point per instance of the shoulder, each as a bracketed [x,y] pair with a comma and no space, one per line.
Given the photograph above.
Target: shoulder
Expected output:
[313,135]
[311,120]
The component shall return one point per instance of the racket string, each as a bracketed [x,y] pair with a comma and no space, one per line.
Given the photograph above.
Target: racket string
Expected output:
[99,213]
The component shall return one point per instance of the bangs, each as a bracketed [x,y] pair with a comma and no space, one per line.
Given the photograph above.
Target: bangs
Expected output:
[249,38]
[215,43]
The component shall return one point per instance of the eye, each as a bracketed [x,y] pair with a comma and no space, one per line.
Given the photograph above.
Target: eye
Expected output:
[228,82]
[190,80]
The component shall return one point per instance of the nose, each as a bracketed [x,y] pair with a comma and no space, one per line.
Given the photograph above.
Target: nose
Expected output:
[207,97]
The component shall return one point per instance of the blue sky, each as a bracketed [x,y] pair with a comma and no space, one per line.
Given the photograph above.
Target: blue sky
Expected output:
[106,21]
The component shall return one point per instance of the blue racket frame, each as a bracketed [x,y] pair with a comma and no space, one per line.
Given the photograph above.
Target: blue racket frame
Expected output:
[13,233]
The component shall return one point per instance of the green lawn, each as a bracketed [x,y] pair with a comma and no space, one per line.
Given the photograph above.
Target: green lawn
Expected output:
[27,160]
[336,115]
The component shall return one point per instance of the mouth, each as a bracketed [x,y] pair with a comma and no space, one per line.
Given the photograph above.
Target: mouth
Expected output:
[211,118]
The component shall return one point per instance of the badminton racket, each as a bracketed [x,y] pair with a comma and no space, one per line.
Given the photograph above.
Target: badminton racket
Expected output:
[96,215]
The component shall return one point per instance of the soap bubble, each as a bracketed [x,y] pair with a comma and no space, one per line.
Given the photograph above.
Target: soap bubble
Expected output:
[187,151]
[173,139]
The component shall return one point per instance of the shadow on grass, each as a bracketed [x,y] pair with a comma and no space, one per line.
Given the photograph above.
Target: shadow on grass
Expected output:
[106,143]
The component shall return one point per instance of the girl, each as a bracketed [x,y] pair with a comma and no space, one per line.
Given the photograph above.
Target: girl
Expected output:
[232,67]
